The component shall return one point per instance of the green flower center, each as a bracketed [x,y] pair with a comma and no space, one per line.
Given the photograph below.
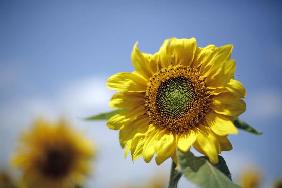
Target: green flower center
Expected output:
[175,97]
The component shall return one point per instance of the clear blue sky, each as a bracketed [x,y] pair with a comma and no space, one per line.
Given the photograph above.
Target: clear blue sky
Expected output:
[46,45]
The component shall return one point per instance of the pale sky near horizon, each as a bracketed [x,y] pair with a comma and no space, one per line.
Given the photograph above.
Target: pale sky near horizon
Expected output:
[56,55]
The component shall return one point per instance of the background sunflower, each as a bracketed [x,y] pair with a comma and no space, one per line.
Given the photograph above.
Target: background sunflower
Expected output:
[6,180]
[53,155]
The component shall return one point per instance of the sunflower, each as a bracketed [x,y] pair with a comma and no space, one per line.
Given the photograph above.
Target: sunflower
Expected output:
[53,155]
[251,178]
[6,181]
[179,97]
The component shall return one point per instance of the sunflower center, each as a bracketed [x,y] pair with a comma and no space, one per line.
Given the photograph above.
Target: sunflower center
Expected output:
[175,96]
[177,99]
[57,163]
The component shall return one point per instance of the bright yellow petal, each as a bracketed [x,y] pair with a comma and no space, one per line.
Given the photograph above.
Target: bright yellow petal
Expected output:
[208,145]
[117,121]
[127,100]
[223,53]
[215,64]
[233,86]
[211,57]
[132,102]
[223,74]
[127,148]
[186,141]
[142,62]
[228,104]
[137,143]
[177,51]
[237,88]
[203,57]
[126,81]
[132,128]
[149,145]
[165,148]
[220,125]
[138,111]
[163,58]
[136,146]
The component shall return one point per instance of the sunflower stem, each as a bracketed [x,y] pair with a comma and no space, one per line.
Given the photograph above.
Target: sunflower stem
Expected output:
[174,176]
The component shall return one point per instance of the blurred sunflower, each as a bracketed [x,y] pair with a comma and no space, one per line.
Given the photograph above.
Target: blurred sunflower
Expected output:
[158,181]
[179,97]
[6,181]
[251,178]
[53,155]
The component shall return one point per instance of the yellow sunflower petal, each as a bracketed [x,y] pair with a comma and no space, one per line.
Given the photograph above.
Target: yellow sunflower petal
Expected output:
[164,59]
[149,145]
[220,124]
[133,112]
[233,86]
[127,100]
[203,57]
[165,148]
[177,51]
[126,81]
[223,53]
[223,76]
[208,145]
[136,146]
[228,104]
[217,68]
[211,57]
[117,121]
[131,102]
[237,88]
[186,141]
[137,126]
[142,62]
[127,148]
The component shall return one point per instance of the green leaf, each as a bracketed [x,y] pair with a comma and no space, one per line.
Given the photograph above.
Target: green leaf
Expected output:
[222,166]
[246,127]
[201,172]
[103,116]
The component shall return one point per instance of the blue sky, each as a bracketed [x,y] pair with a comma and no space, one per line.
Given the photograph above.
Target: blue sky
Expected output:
[56,55]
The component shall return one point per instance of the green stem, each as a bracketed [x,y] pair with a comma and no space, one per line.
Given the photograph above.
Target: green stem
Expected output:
[174,176]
